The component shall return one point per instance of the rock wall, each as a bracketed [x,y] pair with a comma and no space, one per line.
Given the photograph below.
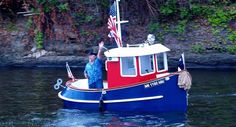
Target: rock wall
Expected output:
[17,47]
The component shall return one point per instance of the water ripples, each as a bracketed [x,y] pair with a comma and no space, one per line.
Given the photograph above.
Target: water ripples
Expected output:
[212,95]
[27,99]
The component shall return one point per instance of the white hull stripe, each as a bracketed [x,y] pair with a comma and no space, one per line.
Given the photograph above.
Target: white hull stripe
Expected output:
[110,101]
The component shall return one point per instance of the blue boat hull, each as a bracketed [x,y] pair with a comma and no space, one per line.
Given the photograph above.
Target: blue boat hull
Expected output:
[161,95]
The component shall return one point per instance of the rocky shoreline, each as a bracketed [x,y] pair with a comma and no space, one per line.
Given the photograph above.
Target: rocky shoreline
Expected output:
[17,49]
[193,61]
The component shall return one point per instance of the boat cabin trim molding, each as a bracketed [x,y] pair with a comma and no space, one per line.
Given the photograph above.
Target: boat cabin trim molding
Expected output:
[136,51]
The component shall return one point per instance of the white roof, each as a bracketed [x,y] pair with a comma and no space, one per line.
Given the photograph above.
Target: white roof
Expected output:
[142,50]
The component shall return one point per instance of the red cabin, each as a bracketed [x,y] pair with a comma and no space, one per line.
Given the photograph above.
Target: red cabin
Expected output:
[127,66]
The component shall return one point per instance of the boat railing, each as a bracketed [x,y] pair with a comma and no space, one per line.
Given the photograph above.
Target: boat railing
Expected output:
[137,45]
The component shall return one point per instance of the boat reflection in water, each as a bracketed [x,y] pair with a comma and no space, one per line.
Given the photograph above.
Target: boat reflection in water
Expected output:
[70,117]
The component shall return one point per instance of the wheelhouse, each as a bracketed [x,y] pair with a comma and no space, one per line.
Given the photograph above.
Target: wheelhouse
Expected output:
[132,65]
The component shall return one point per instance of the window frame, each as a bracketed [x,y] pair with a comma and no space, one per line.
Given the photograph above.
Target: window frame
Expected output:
[164,60]
[140,66]
[135,67]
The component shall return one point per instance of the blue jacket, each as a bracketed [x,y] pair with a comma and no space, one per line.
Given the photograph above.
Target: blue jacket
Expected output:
[94,71]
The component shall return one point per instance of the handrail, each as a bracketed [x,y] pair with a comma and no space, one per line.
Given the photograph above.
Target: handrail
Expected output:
[121,87]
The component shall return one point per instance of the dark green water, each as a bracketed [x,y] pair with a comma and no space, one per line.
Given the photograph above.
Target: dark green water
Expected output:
[27,98]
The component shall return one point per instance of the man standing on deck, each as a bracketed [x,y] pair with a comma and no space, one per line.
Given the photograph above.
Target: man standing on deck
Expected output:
[93,69]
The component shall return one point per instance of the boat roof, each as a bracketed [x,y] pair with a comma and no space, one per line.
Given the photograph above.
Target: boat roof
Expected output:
[141,50]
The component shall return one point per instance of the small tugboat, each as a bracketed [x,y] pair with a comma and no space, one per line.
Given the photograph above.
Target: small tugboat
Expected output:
[137,80]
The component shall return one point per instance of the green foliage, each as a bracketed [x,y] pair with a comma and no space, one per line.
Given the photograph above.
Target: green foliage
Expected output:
[53,2]
[197,48]
[35,10]
[232,13]
[231,49]
[180,28]
[104,3]
[88,18]
[63,7]
[41,1]
[160,37]
[165,27]
[196,9]
[214,2]
[169,8]
[38,39]
[184,13]
[218,48]
[47,9]
[200,10]
[152,27]
[219,17]
[49,4]
[166,10]
[84,33]
[29,23]
[232,36]
[83,17]
[215,31]
[214,10]
[11,27]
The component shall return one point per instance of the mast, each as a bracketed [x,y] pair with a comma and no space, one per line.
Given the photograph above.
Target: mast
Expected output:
[118,19]
[118,22]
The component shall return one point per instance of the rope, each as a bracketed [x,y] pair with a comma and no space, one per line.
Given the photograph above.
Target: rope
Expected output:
[184,80]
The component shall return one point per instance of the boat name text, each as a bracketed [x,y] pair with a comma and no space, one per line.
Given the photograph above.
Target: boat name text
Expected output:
[155,83]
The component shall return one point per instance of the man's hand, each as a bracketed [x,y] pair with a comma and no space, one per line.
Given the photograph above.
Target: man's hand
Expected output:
[86,76]
[101,44]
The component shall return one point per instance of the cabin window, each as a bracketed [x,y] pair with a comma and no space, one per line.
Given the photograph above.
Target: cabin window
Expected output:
[161,62]
[146,64]
[128,66]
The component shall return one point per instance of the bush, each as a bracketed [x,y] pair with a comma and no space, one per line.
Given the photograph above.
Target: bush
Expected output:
[11,27]
[169,8]
[63,7]
[196,9]
[152,27]
[180,28]
[200,10]
[184,13]
[39,39]
[218,48]
[219,17]
[197,48]
[29,23]
[231,49]
[232,36]
[232,14]
[166,10]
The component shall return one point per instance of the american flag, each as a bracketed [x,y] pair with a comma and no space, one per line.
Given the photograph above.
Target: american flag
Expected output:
[181,65]
[70,75]
[112,25]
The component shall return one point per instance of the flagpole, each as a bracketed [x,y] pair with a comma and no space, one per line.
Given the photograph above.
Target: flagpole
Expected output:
[184,61]
[118,20]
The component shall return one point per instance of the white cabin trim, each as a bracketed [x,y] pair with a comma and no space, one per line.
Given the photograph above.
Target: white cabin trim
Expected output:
[136,51]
